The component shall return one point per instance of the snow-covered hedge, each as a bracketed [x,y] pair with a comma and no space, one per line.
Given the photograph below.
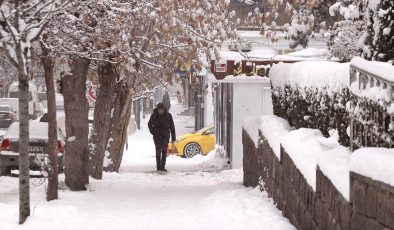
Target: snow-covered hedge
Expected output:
[312,95]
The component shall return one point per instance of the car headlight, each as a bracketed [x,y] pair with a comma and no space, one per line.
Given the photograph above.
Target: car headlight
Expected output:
[179,140]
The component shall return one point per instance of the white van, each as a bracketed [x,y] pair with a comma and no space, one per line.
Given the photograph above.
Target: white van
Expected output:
[35,107]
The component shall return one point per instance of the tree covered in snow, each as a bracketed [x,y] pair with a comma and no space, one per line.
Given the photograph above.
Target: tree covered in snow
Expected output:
[379,36]
[22,23]
[306,19]
[345,36]
[124,42]
[302,24]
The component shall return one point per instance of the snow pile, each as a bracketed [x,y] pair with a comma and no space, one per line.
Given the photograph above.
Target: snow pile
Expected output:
[330,76]
[376,163]
[307,147]
[272,127]
[311,52]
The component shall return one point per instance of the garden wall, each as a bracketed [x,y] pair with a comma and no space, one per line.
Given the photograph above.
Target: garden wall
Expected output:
[371,203]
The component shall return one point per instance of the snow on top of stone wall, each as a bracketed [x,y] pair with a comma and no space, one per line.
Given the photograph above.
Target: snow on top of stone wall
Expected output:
[335,166]
[272,127]
[376,163]
[382,70]
[331,76]
[306,146]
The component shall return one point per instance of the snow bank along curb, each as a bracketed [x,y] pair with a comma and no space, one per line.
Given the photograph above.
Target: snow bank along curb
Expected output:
[310,183]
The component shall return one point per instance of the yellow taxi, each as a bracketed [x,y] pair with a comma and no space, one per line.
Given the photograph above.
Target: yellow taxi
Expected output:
[190,145]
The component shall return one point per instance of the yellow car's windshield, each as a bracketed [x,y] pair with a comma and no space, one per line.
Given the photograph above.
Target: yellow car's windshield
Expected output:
[203,129]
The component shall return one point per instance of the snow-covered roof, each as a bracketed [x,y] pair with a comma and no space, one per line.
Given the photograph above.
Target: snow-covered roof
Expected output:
[310,54]
[242,79]
[382,70]
[331,76]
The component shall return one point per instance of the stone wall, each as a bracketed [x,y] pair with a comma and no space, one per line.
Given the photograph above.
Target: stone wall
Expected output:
[371,206]
[373,203]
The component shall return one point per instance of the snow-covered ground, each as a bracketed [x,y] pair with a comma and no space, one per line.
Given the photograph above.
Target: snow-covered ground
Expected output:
[198,193]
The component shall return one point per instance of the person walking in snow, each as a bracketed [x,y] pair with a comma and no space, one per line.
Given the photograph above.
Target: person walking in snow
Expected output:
[161,125]
[167,101]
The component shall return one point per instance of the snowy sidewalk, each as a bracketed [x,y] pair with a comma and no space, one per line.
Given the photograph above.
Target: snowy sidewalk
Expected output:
[196,193]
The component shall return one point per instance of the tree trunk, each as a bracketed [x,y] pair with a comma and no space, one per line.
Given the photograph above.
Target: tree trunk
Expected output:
[102,118]
[76,108]
[120,122]
[48,64]
[24,163]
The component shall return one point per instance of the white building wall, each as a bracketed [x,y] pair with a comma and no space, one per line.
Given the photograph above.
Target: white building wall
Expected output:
[249,99]
[209,107]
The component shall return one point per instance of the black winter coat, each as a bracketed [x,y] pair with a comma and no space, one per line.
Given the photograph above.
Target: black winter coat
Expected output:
[161,126]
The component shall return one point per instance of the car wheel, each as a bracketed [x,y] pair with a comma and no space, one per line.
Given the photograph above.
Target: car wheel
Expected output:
[191,150]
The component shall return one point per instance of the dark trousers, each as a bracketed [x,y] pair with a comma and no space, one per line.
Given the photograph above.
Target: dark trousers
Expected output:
[161,154]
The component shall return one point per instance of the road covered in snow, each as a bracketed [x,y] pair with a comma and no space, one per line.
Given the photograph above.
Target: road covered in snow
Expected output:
[198,193]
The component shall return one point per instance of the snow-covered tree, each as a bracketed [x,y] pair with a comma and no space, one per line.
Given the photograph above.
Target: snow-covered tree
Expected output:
[302,24]
[379,36]
[123,39]
[344,43]
[345,37]
[176,30]
[22,22]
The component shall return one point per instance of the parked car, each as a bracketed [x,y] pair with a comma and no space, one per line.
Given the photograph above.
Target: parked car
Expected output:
[38,141]
[7,116]
[2,133]
[190,145]
[13,103]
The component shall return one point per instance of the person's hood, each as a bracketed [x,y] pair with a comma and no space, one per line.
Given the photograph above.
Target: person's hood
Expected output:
[155,111]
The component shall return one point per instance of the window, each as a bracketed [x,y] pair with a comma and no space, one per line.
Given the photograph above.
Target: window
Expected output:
[5,109]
